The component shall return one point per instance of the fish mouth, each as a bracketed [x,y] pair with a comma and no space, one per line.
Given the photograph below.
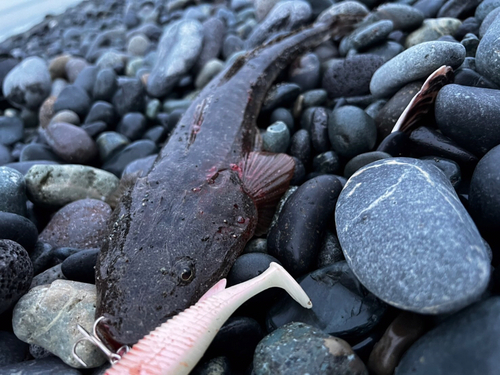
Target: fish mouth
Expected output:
[109,334]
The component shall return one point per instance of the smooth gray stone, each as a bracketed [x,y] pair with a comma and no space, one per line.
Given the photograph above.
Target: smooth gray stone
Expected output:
[28,83]
[469,116]
[45,366]
[58,185]
[485,8]
[465,344]
[284,16]
[488,21]
[209,71]
[178,51]
[12,191]
[433,29]
[49,314]
[276,138]
[417,62]
[457,8]
[487,61]
[48,276]
[366,36]
[408,238]
[404,16]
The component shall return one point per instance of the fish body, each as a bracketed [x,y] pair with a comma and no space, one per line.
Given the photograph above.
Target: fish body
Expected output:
[179,229]
[178,344]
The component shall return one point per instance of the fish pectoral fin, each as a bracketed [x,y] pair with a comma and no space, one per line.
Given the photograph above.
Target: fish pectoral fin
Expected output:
[266,177]
[219,286]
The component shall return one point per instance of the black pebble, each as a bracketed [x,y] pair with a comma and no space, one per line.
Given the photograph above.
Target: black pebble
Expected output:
[80,266]
[75,99]
[158,134]
[101,111]
[280,95]
[17,272]
[132,125]
[19,229]
[283,115]
[87,78]
[319,130]
[326,163]
[136,150]
[37,151]
[130,96]
[105,85]
[300,146]
[94,129]
[296,238]
[11,130]
[12,350]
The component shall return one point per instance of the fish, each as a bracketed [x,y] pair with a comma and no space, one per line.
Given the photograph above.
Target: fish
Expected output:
[177,345]
[179,229]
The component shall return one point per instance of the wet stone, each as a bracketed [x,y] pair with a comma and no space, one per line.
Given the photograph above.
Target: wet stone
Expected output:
[280,95]
[101,111]
[81,224]
[49,314]
[404,17]
[11,130]
[305,71]
[299,230]
[300,146]
[433,29]
[468,116]
[361,160]
[256,245]
[16,272]
[450,168]
[430,220]
[356,313]
[19,229]
[283,115]
[45,366]
[132,125]
[129,97]
[276,138]
[80,266]
[465,343]
[484,197]
[117,162]
[326,163]
[57,185]
[403,68]
[367,36]
[12,350]
[105,85]
[330,251]
[75,99]
[12,191]
[319,130]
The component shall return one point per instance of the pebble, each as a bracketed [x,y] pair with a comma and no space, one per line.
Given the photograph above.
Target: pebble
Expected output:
[351,76]
[330,251]
[279,95]
[276,138]
[213,37]
[48,276]
[468,77]
[433,29]
[468,116]
[45,366]
[66,116]
[397,339]
[12,350]
[12,191]
[80,266]
[319,130]
[450,168]
[366,36]
[109,143]
[28,83]
[487,61]
[19,229]
[457,8]
[17,272]
[129,97]
[361,160]
[300,146]
[284,16]
[484,197]
[95,128]
[485,25]
[81,224]
[403,16]
[351,131]
[118,161]
[70,142]
[138,45]
[141,166]
[58,185]
[305,71]
[386,50]
[429,8]
[326,163]
[87,78]
[37,319]
[101,111]
[464,344]
[74,66]
[5,156]
[178,50]
[132,125]
[112,60]
[75,99]
[306,350]
[105,85]
[209,71]
[417,62]
[11,130]
[378,252]
[263,7]
[283,115]
[299,230]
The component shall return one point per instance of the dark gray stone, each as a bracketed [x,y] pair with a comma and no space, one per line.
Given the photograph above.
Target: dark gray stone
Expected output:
[178,50]
[16,273]
[326,163]
[458,8]
[487,61]
[469,115]
[330,252]
[45,366]
[75,99]
[101,111]
[450,168]
[408,238]
[141,166]
[429,8]
[130,96]
[139,149]
[403,16]
[28,83]
[19,229]
[276,138]
[12,191]
[351,131]
[366,36]
[386,50]
[306,350]
[80,266]
[11,130]
[213,37]
[465,344]
[300,146]
[105,85]
[485,25]
[319,130]
[12,350]
[284,16]
[361,160]
[132,125]
[280,95]
[484,194]
[417,62]
[305,71]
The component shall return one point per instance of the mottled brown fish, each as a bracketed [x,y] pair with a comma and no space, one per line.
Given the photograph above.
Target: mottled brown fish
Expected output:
[180,228]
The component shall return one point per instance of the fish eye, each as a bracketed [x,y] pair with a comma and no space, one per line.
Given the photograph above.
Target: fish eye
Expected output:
[186,274]
[185,271]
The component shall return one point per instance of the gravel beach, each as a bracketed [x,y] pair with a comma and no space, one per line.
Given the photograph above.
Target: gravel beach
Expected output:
[150,148]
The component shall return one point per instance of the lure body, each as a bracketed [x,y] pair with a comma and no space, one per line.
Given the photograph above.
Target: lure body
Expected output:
[178,344]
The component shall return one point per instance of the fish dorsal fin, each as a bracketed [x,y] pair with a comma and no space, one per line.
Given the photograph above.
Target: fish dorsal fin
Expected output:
[266,177]
[219,286]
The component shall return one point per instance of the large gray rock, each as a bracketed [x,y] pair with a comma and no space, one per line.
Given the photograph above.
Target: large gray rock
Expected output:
[57,185]
[49,314]
[417,62]
[28,84]
[284,16]
[408,238]
[487,61]
[178,51]
[465,344]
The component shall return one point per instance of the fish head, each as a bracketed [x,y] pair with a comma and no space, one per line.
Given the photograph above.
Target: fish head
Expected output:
[166,250]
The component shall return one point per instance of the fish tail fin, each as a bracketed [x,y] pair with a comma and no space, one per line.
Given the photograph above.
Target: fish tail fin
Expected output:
[277,276]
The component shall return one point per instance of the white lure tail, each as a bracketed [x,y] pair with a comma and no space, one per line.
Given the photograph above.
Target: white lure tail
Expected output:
[177,345]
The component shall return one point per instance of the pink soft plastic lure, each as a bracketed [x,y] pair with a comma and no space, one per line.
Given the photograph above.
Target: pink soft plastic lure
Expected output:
[177,345]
